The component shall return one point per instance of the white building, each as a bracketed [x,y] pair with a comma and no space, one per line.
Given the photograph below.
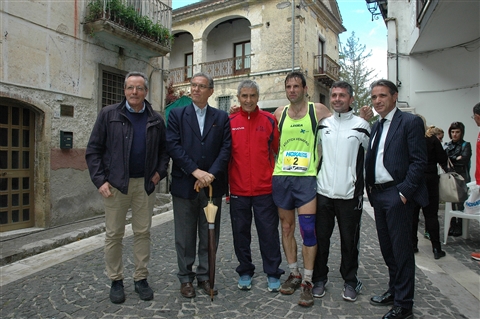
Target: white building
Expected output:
[434,58]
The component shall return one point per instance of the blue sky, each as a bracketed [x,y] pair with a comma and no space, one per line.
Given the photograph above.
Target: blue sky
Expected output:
[356,17]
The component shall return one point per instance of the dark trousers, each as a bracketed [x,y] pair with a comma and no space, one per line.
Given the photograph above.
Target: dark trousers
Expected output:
[190,220]
[393,220]
[266,221]
[430,213]
[348,214]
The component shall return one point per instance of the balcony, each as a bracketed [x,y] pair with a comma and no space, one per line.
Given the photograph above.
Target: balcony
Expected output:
[180,75]
[142,26]
[216,69]
[326,70]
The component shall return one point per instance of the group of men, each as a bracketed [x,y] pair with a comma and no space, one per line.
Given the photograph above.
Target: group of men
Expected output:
[302,158]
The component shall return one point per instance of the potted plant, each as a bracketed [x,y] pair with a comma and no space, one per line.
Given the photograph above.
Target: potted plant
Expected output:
[95,10]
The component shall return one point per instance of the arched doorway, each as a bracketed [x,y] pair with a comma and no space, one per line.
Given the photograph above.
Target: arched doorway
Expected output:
[17,150]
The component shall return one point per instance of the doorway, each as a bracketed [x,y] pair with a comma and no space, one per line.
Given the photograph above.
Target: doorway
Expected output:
[17,150]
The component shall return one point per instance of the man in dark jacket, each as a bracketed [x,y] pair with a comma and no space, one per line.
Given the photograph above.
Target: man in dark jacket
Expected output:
[126,156]
[199,142]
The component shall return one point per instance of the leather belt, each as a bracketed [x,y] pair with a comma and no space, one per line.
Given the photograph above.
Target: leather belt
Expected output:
[381,187]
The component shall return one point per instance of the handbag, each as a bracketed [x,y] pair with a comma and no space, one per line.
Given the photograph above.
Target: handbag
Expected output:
[452,187]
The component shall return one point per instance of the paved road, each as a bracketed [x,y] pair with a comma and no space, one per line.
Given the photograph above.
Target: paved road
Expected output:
[70,282]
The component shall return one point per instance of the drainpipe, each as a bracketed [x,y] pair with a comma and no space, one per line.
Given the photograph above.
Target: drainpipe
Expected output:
[162,74]
[293,35]
[398,82]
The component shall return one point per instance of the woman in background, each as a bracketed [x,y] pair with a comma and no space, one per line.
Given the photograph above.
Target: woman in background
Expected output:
[459,152]
[438,132]
[435,155]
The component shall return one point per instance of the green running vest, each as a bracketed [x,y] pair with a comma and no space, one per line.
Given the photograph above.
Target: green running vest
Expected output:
[298,144]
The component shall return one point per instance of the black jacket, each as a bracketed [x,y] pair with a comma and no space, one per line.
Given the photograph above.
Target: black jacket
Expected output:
[464,149]
[108,150]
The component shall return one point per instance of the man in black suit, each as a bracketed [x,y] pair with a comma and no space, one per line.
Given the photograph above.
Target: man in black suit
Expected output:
[198,141]
[395,162]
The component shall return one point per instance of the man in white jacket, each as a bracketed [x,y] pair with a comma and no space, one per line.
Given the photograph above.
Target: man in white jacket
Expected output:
[343,139]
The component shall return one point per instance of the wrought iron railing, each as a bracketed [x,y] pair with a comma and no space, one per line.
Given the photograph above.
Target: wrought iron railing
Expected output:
[151,18]
[325,65]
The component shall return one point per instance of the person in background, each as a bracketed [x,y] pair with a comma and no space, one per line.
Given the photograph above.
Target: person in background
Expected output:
[459,152]
[435,155]
[476,117]
[126,156]
[254,146]
[199,142]
[438,132]
[343,139]
[394,166]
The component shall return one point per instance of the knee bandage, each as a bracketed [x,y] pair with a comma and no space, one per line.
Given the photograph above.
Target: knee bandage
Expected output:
[307,229]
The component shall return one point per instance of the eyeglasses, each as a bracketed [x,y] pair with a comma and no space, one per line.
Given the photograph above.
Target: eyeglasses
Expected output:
[138,88]
[200,86]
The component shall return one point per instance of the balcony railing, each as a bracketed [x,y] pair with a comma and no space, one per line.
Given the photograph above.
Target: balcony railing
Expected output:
[326,70]
[227,67]
[133,20]
[216,69]
[180,75]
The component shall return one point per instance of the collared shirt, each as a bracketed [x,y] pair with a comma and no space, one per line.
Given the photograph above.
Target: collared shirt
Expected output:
[200,116]
[381,173]
[131,110]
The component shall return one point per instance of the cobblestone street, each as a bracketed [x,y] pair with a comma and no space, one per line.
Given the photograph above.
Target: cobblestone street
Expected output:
[78,288]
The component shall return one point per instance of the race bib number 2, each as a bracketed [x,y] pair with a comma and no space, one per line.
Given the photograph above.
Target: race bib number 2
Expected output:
[294,161]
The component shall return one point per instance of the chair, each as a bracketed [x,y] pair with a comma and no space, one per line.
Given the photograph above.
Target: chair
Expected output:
[449,213]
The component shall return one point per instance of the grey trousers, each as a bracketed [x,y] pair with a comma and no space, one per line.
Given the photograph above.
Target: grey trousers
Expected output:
[190,223]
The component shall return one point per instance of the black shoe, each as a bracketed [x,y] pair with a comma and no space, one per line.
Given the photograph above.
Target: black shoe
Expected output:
[438,253]
[117,295]
[450,231]
[143,289]
[382,300]
[415,250]
[205,285]
[398,312]
[457,230]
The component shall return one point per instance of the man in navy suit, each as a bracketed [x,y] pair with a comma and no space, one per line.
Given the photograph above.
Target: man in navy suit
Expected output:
[198,141]
[395,162]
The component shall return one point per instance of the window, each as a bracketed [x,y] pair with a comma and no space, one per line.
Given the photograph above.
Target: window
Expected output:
[422,6]
[321,57]
[224,103]
[323,99]
[242,57]
[188,66]
[112,83]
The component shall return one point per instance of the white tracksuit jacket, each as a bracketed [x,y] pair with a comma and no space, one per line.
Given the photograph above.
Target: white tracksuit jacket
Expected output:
[343,139]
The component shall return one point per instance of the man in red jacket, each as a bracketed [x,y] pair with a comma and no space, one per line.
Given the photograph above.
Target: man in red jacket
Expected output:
[254,145]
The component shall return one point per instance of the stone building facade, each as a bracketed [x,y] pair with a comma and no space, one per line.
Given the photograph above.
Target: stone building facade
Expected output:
[56,71]
[260,40]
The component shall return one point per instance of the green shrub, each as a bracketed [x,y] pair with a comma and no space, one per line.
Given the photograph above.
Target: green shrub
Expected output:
[130,18]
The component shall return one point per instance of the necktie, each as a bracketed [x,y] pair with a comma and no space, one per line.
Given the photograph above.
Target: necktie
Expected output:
[374,151]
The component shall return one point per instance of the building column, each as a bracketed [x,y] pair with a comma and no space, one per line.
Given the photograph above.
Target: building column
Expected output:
[200,54]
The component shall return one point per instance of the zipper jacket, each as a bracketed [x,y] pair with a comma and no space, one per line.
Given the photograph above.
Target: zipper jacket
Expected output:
[254,145]
[108,150]
[343,138]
